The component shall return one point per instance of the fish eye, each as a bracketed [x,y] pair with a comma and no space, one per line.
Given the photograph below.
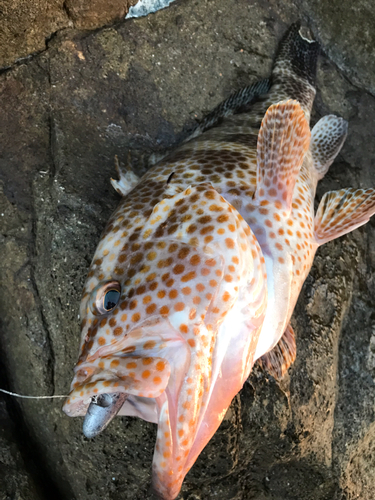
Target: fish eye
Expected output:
[110,299]
[105,297]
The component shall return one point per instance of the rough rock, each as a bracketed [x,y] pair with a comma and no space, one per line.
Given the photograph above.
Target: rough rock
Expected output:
[88,14]
[17,481]
[138,85]
[346,30]
[27,25]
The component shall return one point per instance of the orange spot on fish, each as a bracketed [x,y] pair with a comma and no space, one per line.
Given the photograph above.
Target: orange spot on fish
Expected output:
[164,310]
[151,309]
[117,331]
[183,329]
[160,366]
[229,243]
[150,344]
[189,276]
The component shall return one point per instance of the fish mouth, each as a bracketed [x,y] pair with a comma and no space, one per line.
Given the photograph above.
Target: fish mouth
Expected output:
[124,386]
[101,412]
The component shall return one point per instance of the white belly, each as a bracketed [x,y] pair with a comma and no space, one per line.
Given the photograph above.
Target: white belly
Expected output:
[279,280]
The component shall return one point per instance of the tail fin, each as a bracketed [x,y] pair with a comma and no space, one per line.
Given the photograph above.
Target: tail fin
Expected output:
[295,66]
[298,54]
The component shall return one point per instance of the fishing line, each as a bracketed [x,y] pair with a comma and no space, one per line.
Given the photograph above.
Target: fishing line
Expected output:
[32,397]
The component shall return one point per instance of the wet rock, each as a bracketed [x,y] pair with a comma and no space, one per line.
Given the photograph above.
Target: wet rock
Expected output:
[140,85]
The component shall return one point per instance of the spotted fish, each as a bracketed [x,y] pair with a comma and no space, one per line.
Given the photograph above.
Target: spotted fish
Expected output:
[199,269]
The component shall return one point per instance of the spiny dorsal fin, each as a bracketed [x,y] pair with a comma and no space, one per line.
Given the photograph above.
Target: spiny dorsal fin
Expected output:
[238,102]
[342,211]
[283,140]
[277,361]
[327,138]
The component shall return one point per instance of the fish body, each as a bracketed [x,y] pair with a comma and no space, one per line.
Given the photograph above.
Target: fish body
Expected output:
[199,269]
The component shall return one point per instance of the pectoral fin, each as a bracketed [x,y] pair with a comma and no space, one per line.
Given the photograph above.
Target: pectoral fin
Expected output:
[283,140]
[327,138]
[342,211]
[277,361]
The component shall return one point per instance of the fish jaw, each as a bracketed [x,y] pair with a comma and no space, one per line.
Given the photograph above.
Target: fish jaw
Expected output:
[216,374]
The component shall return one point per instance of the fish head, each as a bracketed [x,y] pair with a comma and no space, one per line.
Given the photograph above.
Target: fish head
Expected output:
[172,321]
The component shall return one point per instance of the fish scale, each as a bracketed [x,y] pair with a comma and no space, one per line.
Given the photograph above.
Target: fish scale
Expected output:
[204,260]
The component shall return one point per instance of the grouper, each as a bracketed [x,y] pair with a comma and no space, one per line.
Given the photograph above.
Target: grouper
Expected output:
[198,271]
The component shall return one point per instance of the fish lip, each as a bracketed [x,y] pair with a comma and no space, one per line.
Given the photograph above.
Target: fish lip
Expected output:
[76,405]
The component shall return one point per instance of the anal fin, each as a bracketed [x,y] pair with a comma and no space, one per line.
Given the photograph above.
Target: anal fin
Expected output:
[340,212]
[277,361]
[283,140]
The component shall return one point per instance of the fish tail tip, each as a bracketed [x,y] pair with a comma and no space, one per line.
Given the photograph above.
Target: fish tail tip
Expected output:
[306,34]
[299,52]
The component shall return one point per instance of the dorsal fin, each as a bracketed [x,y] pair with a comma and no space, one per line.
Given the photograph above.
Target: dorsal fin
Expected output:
[327,138]
[277,361]
[342,211]
[283,140]
[238,102]
[127,178]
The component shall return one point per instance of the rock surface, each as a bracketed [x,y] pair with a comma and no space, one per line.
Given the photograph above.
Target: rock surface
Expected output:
[27,25]
[135,85]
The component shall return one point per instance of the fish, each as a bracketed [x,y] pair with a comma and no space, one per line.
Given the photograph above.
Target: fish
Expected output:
[198,271]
